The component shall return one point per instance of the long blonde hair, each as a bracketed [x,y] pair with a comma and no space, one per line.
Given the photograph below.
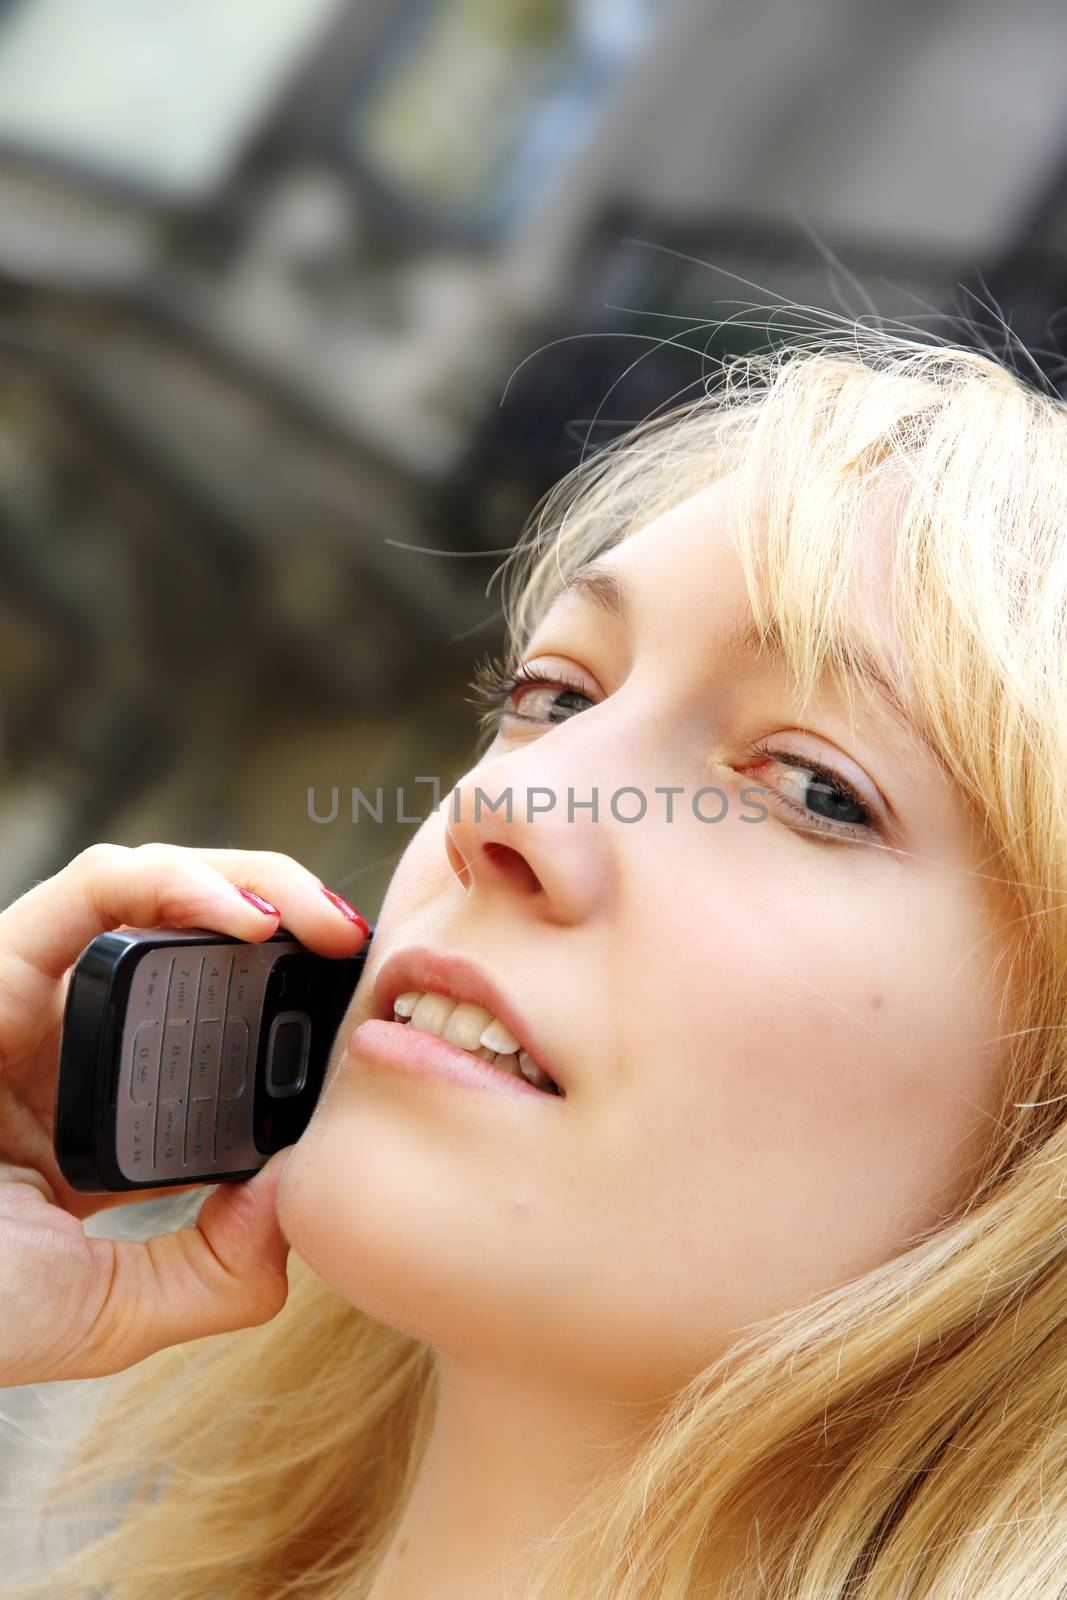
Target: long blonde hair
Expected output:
[901,1435]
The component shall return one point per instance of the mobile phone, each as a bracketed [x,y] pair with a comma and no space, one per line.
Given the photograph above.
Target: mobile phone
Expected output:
[190,1057]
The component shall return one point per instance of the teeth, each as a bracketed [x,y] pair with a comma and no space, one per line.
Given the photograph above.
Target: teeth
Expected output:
[531,1071]
[467,1025]
[432,1012]
[472,1028]
[499,1038]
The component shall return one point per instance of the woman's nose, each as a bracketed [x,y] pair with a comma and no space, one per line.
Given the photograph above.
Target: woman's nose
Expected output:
[537,843]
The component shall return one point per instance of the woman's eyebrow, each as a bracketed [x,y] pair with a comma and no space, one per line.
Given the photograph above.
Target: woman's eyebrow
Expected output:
[603,588]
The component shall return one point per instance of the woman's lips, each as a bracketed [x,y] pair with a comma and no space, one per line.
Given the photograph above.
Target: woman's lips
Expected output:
[400,1047]
[459,977]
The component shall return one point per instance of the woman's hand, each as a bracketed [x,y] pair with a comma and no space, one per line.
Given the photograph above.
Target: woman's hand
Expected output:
[73,1306]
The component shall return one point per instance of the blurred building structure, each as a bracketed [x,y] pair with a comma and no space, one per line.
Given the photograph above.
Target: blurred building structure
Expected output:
[304,303]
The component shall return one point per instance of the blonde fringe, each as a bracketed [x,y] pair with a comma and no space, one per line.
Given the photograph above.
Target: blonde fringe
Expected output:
[903,1437]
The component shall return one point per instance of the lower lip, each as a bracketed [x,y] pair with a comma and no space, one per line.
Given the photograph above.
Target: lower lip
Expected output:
[422,1055]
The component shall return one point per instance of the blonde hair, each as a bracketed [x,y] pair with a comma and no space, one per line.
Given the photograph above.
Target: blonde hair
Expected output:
[902,1434]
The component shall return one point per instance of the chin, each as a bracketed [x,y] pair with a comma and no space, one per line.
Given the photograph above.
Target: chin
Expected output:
[357,1216]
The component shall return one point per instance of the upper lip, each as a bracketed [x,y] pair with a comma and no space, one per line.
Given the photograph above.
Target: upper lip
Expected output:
[460,978]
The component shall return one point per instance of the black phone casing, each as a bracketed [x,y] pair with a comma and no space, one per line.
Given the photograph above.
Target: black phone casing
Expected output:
[190,1057]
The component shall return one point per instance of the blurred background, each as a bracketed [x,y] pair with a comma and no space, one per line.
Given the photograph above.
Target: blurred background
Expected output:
[304,303]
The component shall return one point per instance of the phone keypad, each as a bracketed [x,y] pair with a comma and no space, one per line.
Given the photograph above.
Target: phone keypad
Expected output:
[184,987]
[154,976]
[234,1076]
[206,1056]
[176,1059]
[200,1133]
[186,1080]
[147,1044]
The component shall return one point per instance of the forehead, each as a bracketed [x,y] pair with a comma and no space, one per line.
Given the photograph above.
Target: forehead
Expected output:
[679,584]
[684,564]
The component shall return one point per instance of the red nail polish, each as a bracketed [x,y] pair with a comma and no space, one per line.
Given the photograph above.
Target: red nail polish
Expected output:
[258,901]
[349,911]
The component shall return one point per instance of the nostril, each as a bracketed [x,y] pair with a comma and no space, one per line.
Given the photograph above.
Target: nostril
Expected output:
[512,864]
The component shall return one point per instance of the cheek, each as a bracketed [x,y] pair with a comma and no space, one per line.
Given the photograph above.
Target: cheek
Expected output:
[817,1098]
[417,882]
[420,873]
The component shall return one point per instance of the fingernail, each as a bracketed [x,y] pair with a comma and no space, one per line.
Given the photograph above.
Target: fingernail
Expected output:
[348,911]
[258,901]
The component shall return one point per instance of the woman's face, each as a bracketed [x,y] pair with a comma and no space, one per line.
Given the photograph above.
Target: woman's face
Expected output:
[778,1043]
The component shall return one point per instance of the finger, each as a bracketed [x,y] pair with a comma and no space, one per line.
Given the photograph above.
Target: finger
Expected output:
[83,1203]
[314,914]
[226,1272]
[111,885]
[11,1174]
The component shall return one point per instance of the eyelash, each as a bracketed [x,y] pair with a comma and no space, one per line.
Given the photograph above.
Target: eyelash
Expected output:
[494,683]
[841,790]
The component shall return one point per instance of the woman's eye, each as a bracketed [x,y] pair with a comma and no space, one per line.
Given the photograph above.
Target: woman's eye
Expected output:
[546,700]
[820,800]
[526,694]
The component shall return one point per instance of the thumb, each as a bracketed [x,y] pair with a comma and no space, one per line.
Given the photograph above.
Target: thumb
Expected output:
[226,1271]
[238,1226]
